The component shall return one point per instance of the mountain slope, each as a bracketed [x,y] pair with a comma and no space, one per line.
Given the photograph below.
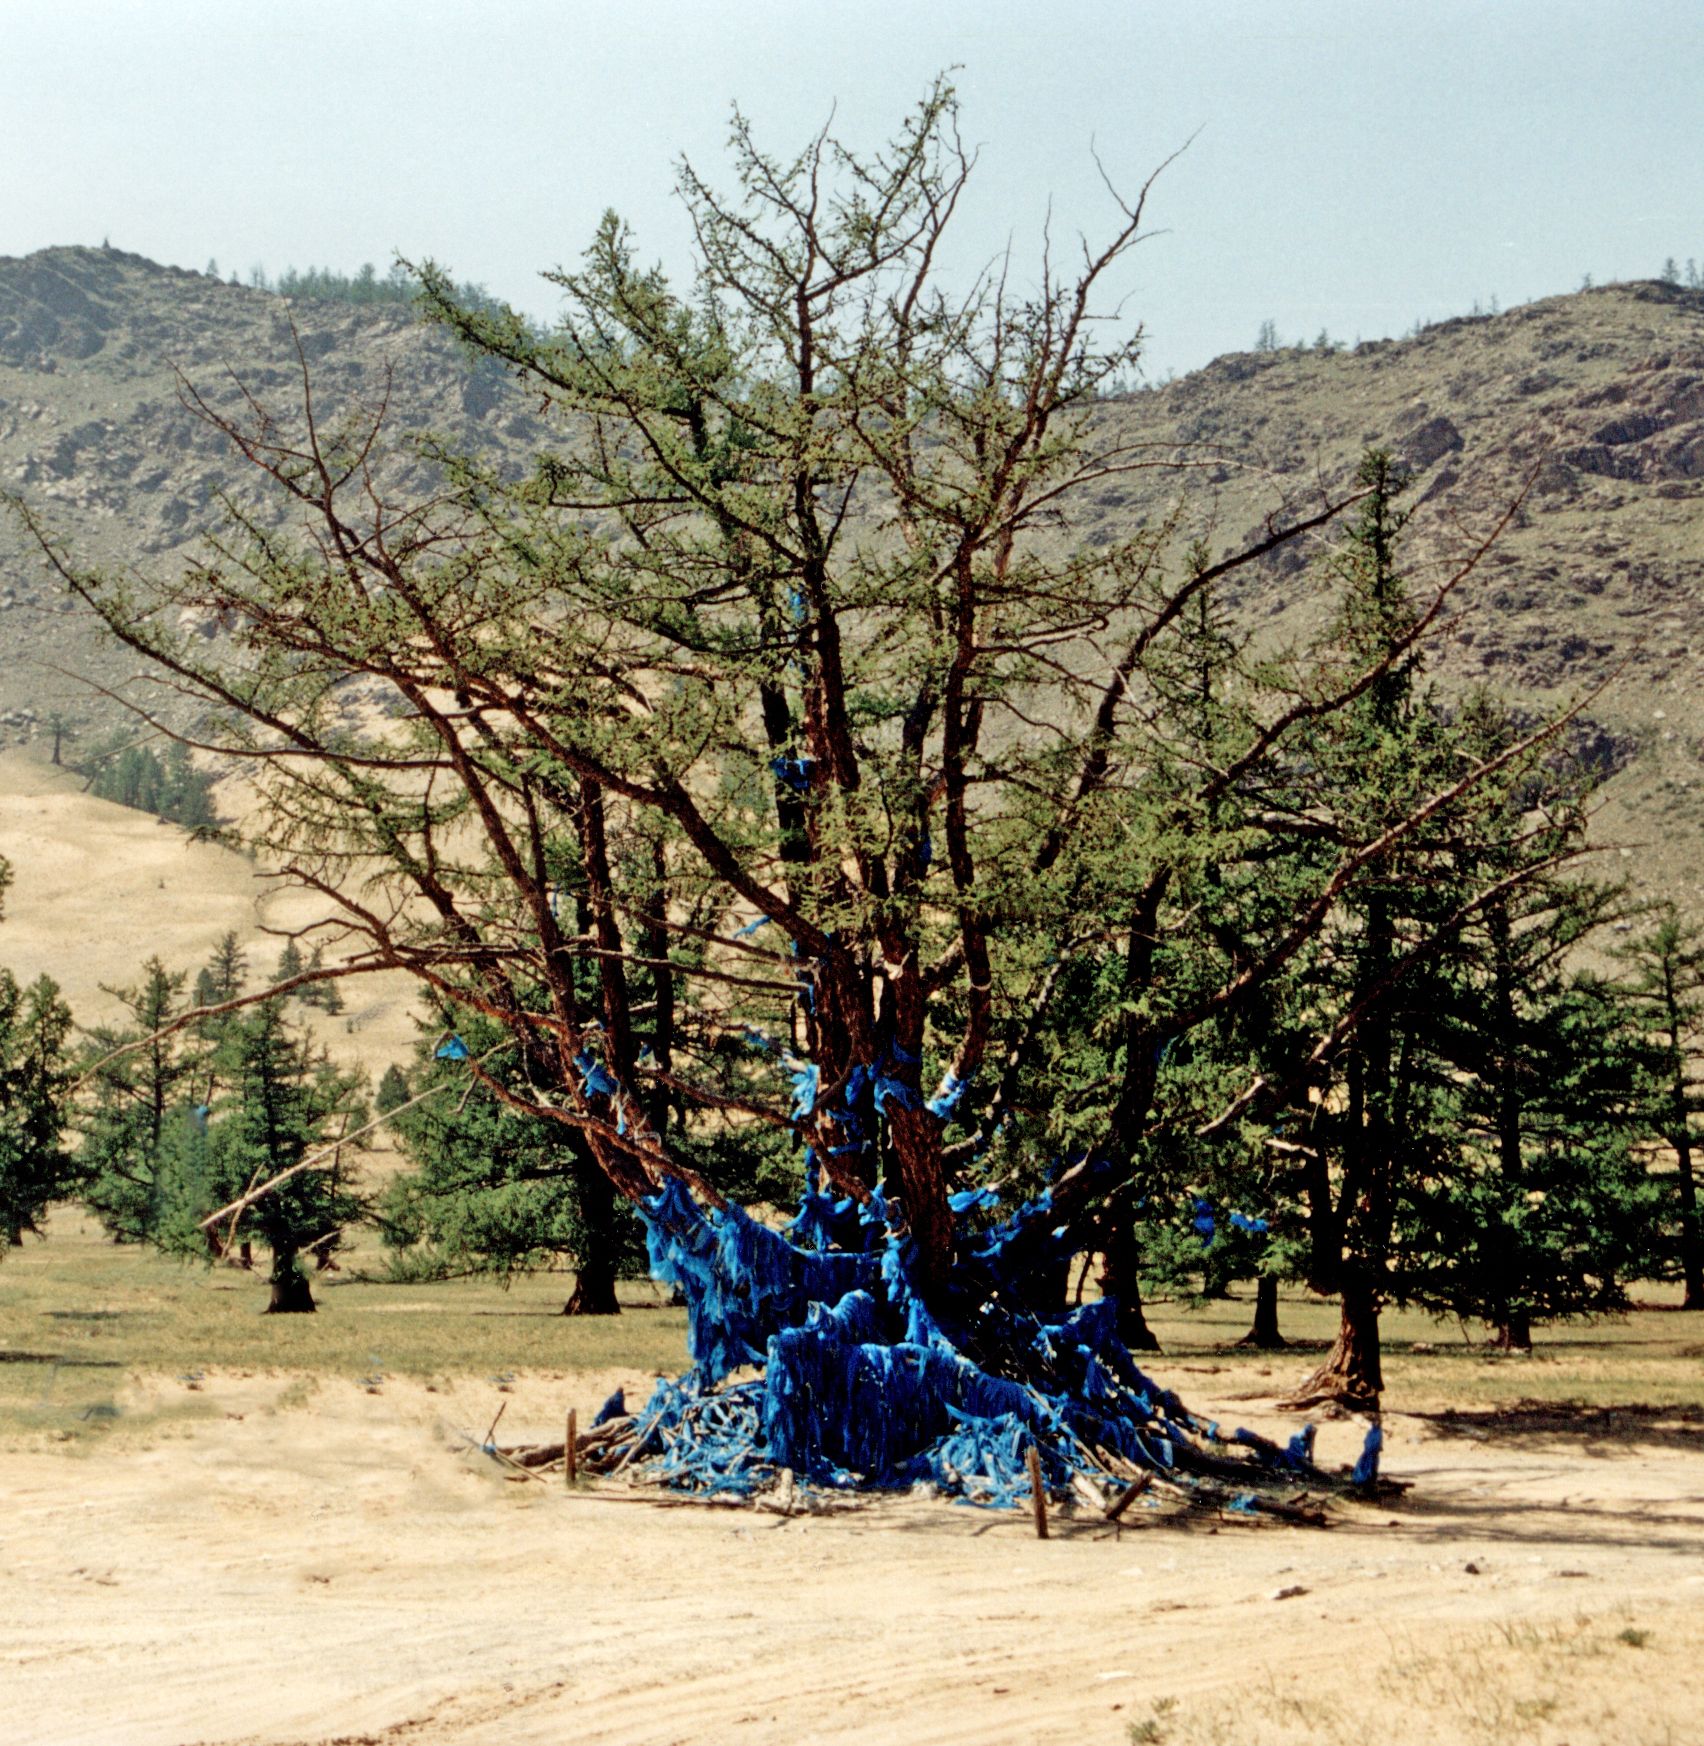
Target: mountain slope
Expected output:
[1590,404]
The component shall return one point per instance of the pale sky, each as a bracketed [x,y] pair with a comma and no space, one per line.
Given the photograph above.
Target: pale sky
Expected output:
[1358,164]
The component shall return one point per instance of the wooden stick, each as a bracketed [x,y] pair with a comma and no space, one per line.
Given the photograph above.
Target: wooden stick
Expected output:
[1038,1497]
[251,1194]
[1088,1493]
[548,1454]
[510,1461]
[570,1448]
[1128,1496]
[640,1438]
[493,1431]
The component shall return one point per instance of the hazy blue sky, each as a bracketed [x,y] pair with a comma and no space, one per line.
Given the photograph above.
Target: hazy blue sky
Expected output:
[1359,164]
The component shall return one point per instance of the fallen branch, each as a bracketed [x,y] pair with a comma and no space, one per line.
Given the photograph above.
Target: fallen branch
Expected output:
[245,1200]
[1141,1483]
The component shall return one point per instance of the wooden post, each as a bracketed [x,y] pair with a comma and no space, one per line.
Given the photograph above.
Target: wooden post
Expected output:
[1038,1495]
[570,1453]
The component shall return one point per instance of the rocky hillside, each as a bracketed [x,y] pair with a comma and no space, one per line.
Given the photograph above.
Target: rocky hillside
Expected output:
[96,351]
[1590,404]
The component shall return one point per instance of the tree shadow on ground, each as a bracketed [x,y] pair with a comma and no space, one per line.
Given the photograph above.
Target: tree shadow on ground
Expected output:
[1444,1517]
[1599,1431]
[59,1360]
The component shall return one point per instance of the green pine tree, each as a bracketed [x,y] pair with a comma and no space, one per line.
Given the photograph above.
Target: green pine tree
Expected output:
[1665,986]
[496,1190]
[35,1087]
[280,1102]
[147,1081]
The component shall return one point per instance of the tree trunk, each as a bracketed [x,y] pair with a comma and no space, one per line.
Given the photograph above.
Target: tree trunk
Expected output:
[594,1291]
[1691,1250]
[1120,1278]
[291,1295]
[916,1141]
[1350,1376]
[595,1266]
[1264,1335]
[1514,1325]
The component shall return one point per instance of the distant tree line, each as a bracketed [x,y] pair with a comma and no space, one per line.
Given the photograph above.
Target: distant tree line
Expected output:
[1267,338]
[366,287]
[168,785]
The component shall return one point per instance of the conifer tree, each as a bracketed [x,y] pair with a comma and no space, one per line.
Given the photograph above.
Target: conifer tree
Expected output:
[325,995]
[494,1189]
[220,981]
[280,1101]
[1382,1121]
[149,1082]
[1539,1207]
[35,1080]
[394,1090]
[1665,987]
[291,963]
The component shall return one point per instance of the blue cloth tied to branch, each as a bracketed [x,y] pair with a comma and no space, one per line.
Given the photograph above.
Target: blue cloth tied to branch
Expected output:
[807,1084]
[794,773]
[595,1079]
[946,1099]
[886,1090]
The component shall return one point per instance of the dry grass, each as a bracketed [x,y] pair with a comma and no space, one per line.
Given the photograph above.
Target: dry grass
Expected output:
[1583,1679]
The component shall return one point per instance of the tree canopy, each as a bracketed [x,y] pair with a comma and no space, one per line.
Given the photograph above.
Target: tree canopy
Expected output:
[788,769]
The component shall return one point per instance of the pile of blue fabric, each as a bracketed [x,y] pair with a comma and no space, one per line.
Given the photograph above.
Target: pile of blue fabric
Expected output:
[861,1384]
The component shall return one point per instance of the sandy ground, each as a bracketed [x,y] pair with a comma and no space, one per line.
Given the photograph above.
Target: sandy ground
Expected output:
[344,1569]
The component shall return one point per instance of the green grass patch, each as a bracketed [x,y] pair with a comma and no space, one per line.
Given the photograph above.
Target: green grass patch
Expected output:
[1645,1362]
[80,1317]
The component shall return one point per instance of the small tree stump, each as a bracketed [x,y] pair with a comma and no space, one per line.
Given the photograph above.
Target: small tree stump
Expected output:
[1038,1493]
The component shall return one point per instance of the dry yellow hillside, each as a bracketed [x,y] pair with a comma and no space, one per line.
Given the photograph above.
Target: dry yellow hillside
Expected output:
[97,888]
